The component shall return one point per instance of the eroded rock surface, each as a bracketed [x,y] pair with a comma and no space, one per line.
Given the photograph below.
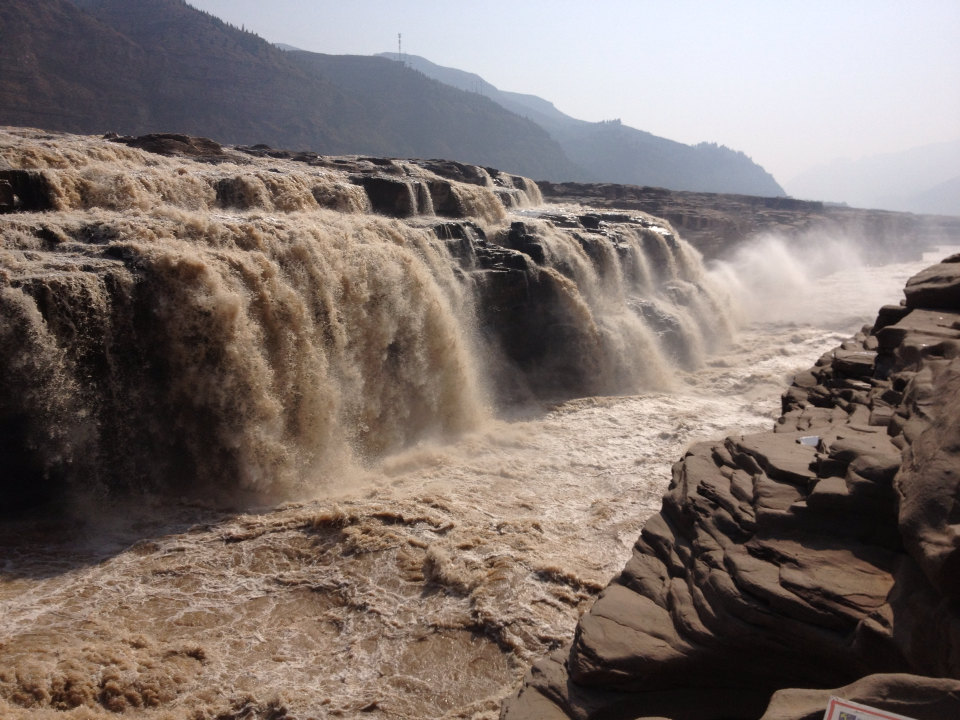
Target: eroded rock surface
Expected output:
[824,554]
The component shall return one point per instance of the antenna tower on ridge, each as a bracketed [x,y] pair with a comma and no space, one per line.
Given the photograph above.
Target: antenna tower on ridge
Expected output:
[399,49]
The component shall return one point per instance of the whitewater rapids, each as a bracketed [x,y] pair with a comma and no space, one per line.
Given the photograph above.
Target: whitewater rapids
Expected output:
[419,582]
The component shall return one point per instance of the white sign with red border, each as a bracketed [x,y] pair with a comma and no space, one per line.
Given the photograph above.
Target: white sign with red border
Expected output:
[840,709]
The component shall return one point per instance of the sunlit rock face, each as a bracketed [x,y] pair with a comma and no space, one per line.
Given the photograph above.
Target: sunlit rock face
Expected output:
[819,555]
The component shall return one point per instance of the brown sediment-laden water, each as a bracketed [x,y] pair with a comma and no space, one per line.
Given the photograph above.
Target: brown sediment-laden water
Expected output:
[272,453]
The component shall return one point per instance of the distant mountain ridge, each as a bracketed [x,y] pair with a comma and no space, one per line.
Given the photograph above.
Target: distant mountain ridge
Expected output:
[924,179]
[416,116]
[612,152]
[141,66]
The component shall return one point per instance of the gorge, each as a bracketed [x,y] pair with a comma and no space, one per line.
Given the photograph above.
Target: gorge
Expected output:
[290,435]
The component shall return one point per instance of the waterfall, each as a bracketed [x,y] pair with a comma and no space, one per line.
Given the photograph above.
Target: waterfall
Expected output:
[251,326]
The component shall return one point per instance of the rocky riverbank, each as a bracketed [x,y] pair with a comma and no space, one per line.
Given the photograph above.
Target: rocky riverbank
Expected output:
[819,558]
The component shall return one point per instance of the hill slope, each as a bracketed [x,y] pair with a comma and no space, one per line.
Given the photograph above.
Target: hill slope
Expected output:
[416,116]
[613,152]
[156,65]
[43,85]
[161,65]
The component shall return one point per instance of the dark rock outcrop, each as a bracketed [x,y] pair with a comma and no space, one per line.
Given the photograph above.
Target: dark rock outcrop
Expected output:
[199,148]
[24,190]
[7,198]
[820,555]
[394,197]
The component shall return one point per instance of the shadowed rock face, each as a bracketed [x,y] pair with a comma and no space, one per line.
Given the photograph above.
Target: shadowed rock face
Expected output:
[819,555]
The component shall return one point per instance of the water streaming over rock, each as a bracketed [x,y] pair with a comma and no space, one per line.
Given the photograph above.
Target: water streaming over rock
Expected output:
[210,327]
[245,330]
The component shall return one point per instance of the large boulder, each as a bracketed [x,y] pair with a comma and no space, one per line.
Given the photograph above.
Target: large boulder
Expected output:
[936,287]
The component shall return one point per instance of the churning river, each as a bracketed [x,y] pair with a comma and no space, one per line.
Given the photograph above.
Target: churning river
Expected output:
[417,582]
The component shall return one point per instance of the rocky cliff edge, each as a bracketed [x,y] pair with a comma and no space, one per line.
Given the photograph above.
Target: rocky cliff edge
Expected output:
[820,558]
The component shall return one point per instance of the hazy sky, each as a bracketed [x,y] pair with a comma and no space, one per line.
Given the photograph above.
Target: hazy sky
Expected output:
[791,84]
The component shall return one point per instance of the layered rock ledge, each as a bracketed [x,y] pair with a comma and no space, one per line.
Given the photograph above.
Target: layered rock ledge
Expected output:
[716,223]
[820,558]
